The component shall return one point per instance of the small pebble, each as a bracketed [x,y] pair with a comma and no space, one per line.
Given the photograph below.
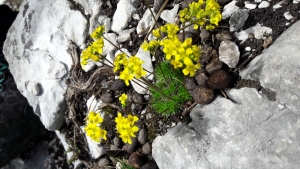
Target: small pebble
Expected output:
[203,95]
[107,98]
[117,141]
[136,160]
[213,66]
[130,148]
[288,15]
[250,5]
[118,85]
[201,78]
[248,48]
[267,41]
[264,4]
[103,162]
[190,84]
[146,149]
[143,136]
[220,79]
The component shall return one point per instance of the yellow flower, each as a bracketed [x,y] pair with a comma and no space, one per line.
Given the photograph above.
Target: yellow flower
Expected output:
[156,33]
[126,76]
[120,61]
[98,32]
[126,127]
[123,99]
[190,67]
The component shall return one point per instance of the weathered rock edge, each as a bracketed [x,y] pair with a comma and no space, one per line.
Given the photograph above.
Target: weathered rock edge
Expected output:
[254,132]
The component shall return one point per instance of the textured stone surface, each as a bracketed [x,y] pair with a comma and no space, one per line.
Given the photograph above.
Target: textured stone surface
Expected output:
[251,131]
[229,53]
[123,14]
[170,15]
[33,42]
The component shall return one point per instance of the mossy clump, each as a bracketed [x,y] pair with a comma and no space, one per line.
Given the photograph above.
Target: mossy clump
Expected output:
[168,100]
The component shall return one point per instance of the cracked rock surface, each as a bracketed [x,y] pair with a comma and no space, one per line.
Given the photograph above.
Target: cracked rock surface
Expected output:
[249,130]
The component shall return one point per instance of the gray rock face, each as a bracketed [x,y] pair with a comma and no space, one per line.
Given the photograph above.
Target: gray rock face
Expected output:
[36,50]
[238,19]
[252,131]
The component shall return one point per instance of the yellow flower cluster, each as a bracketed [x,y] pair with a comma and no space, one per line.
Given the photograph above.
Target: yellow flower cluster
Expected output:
[93,129]
[126,127]
[95,50]
[123,99]
[131,67]
[200,12]
[181,55]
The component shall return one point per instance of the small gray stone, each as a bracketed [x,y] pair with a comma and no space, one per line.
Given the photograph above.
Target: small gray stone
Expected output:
[143,136]
[201,78]
[203,95]
[204,35]
[229,9]
[238,19]
[107,98]
[229,53]
[146,21]
[190,84]
[213,66]
[103,162]
[137,98]
[118,85]
[136,160]
[117,141]
[130,148]
[125,35]
[146,149]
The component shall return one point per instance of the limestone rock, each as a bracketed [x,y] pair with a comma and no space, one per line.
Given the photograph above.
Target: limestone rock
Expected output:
[238,19]
[170,15]
[229,53]
[250,131]
[146,21]
[123,14]
[258,31]
[229,9]
[34,41]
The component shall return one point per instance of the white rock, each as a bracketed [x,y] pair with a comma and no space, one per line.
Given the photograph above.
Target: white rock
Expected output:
[89,66]
[104,20]
[257,30]
[278,5]
[229,9]
[296,1]
[229,53]
[250,5]
[248,48]
[264,4]
[136,17]
[41,34]
[257,1]
[63,140]
[56,70]
[108,47]
[146,21]
[93,105]
[123,50]
[122,15]
[91,7]
[288,15]
[125,35]
[170,15]
[33,88]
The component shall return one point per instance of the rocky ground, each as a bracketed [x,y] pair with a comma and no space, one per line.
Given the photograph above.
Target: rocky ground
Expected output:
[247,28]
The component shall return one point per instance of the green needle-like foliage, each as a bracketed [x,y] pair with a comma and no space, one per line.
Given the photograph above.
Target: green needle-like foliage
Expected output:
[170,82]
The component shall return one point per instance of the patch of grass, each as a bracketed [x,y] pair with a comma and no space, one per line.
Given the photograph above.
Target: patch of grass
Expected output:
[172,93]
